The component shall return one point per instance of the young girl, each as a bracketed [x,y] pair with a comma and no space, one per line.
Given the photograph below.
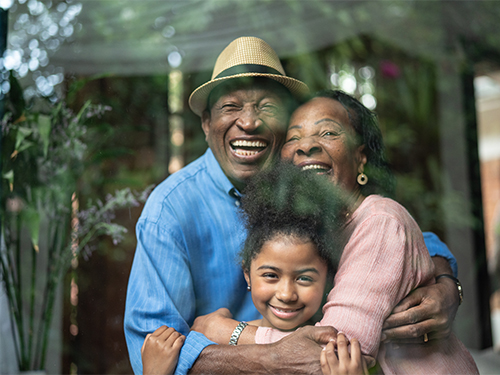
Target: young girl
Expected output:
[291,252]
[289,260]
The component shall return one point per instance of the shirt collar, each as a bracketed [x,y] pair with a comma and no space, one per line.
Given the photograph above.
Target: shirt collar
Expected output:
[218,176]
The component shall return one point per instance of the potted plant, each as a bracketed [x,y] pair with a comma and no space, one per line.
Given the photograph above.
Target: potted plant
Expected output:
[43,230]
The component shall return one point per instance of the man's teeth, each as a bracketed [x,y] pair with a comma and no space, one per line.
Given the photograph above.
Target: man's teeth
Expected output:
[239,151]
[313,166]
[243,143]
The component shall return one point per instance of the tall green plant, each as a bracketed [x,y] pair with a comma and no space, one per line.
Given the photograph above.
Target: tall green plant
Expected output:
[43,230]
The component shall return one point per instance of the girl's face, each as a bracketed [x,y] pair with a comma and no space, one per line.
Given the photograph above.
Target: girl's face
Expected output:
[320,137]
[287,280]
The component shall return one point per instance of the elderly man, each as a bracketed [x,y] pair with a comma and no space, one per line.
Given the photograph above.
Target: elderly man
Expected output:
[189,233]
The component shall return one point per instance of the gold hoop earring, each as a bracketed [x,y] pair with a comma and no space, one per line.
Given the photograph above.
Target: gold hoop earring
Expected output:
[362,179]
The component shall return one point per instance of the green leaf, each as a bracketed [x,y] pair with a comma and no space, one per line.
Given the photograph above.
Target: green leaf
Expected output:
[21,135]
[44,127]
[24,145]
[16,96]
[31,218]
[9,176]
[82,110]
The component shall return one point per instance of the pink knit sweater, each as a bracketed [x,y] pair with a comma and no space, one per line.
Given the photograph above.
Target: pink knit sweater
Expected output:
[384,259]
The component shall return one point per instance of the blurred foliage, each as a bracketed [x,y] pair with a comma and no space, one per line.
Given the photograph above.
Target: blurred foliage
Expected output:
[44,153]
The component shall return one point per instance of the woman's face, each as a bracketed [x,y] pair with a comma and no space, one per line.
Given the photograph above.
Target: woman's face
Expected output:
[320,137]
[287,280]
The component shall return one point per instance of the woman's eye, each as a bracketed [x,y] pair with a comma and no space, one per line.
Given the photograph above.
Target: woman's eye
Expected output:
[294,138]
[330,133]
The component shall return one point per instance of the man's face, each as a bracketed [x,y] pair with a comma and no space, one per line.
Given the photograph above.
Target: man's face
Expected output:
[245,128]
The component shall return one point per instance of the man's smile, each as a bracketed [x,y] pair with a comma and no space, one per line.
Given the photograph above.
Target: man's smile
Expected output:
[243,147]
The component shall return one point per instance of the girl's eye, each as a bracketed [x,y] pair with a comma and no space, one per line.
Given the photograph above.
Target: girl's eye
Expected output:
[305,279]
[270,275]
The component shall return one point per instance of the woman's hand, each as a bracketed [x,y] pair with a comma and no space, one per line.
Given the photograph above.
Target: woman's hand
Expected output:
[427,311]
[160,351]
[217,326]
[343,363]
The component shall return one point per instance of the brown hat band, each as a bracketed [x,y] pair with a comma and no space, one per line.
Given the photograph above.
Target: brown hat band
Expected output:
[247,68]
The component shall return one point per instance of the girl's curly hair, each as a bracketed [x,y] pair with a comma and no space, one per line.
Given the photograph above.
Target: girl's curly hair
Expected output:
[284,201]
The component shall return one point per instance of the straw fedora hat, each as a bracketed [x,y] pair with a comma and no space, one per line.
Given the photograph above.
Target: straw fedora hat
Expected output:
[245,57]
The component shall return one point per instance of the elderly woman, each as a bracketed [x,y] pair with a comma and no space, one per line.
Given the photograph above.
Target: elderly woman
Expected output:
[384,257]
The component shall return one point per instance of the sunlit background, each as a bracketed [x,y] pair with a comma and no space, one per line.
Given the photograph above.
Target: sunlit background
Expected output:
[429,69]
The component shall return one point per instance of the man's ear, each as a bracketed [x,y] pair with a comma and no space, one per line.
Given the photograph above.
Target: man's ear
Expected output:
[205,122]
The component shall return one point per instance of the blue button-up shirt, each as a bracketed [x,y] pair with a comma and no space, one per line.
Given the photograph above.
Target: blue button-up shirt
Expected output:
[186,262]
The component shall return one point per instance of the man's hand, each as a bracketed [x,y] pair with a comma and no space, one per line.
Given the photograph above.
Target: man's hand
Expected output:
[427,310]
[300,352]
[217,326]
[297,353]
[160,351]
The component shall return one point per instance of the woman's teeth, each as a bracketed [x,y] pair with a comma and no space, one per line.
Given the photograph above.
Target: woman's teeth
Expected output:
[314,166]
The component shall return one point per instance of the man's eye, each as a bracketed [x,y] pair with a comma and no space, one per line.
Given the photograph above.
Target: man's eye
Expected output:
[270,108]
[229,106]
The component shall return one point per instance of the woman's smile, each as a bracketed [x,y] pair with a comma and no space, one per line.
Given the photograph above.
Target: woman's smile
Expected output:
[320,138]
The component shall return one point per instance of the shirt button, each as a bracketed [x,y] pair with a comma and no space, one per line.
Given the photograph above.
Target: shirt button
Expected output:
[237,203]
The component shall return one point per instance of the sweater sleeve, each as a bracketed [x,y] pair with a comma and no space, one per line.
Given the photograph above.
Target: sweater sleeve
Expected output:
[381,263]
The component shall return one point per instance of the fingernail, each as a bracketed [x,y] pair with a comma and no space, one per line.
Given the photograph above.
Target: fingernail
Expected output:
[383,337]
[340,332]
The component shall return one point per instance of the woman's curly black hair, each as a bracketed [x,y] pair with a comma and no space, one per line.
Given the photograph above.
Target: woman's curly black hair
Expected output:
[365,123]
[283,200]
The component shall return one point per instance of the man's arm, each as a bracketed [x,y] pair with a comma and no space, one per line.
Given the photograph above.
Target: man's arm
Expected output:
[298,353]
[427,310]
[438,248]
[160,292]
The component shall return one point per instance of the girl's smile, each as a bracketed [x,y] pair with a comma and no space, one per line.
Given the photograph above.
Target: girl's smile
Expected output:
[287,280]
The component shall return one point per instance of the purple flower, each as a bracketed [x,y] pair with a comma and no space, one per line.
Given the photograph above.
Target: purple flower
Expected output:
[390,70]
